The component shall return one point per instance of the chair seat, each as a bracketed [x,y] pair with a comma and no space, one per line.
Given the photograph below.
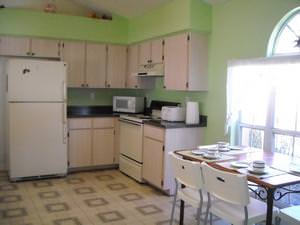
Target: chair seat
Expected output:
[291,215]
[235,214]
[191,196]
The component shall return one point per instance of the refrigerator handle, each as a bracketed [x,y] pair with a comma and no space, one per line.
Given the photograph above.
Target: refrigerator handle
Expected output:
[64,90]
[64,123]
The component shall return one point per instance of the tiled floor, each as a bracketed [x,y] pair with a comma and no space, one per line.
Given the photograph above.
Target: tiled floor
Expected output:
[87,198]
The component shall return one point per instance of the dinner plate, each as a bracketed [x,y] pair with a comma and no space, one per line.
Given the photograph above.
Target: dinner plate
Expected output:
[251,170]
[235,147]
[198,152]
[207,156]
[224,149]
[239,164]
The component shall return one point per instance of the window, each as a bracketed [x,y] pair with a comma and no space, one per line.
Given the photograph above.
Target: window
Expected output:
[263,103]
[285,38]
[263,108]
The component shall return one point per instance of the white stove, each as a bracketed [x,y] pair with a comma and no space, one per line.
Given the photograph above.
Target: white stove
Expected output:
[138,118]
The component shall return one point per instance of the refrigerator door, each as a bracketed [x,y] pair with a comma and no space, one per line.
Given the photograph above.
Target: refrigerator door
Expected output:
[36,80]
[37,139]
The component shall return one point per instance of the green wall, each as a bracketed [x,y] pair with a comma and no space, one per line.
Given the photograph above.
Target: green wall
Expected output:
[240,29]
[40,24]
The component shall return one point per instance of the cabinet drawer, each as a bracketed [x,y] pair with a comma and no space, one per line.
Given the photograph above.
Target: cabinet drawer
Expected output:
[80,123]
[154,132]
[103,122]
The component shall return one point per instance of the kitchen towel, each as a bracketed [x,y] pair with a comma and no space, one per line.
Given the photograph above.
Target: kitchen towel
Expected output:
[192,113]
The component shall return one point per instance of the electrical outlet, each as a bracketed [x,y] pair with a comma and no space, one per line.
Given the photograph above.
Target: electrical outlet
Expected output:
[92,95]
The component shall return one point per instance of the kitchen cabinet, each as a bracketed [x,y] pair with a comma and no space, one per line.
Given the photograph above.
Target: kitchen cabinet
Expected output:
[14,46]
[80,143]
[74,55]
[116,66]
[45,48]
[132,81]
[186,62]
[103,141]
[157,142]
[151,52]
[91,142]
[33,47]
[95,65]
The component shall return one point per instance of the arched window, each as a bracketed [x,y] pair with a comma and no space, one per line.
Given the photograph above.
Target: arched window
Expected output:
[285,39]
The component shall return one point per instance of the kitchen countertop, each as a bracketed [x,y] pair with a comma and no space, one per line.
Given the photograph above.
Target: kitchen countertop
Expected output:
[90,111]
[107,111]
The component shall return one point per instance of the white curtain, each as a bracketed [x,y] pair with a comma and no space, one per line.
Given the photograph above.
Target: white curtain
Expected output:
[251,82]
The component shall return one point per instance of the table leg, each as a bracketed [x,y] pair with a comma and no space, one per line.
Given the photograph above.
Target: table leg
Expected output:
[181,218]
[270,197]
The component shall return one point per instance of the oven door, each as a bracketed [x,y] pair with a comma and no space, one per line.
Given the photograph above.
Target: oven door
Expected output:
[131,140]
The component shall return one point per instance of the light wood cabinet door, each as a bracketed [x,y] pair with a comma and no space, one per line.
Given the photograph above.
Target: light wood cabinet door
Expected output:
[103,146]
[95,65]
[74,55]
[14,46]
[144,53]
[153,157]
[131,79]
[176,62]
[157,51]
[80,145]
[116,66]
[45,48]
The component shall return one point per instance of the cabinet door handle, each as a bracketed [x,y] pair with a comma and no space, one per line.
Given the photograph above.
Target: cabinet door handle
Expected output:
[32,53]
[136,86]
[87,85]
[165,86]
[108,85]
[82,85]
[28,53]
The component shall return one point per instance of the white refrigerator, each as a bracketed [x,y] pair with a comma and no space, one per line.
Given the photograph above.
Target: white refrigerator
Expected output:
[36,116]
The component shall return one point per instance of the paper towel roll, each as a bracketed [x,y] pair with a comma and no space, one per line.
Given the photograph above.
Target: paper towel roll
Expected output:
[192,113]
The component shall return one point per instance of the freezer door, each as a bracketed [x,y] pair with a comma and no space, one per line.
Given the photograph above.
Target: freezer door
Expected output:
[36,80]
[37,139]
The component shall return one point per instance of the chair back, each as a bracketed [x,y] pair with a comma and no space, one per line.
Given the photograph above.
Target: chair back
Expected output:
[229,187]
[187,172]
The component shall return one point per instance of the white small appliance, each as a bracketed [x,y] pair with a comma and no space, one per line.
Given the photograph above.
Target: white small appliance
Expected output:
[173,113]
[128,104]
[36,117]
[192,113]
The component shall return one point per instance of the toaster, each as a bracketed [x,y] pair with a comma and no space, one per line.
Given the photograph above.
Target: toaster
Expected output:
[173,113]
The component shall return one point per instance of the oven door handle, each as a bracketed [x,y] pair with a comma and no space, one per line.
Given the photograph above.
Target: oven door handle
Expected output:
[130,122]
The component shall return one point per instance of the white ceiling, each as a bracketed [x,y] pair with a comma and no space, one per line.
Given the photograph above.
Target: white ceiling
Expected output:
[126,8]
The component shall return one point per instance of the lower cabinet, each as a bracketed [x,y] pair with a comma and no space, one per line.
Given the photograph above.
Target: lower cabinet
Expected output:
[103,146]
[80,148]
[157,143]
[91,142]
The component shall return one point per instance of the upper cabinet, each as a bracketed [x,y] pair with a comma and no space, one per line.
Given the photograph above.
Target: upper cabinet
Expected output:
[14,46]
[74,55]
[45,48]
[95,65]
[132,81]
[116,66]
[151,52]
[33,47]
[186,62]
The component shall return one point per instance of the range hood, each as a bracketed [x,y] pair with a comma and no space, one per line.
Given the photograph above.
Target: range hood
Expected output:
[151,70]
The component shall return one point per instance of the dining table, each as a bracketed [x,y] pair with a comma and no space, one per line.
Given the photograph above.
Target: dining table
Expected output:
[282,172]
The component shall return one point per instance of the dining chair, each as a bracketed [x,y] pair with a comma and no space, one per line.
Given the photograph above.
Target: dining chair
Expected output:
[290,215]
[233,202]
[189,184]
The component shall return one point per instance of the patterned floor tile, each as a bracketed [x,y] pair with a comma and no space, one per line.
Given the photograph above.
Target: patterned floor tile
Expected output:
[75,180]
[94,202]
[48,194]
[131,197]
[57,207]
[8,187]
[104,177]
[42,184]
[111,216]
[149,209]
[117,186]
[10,199]
[84,190]
[14,213]
[68,221]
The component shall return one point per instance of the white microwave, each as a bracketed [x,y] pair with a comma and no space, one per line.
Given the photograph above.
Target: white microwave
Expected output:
[128,104]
